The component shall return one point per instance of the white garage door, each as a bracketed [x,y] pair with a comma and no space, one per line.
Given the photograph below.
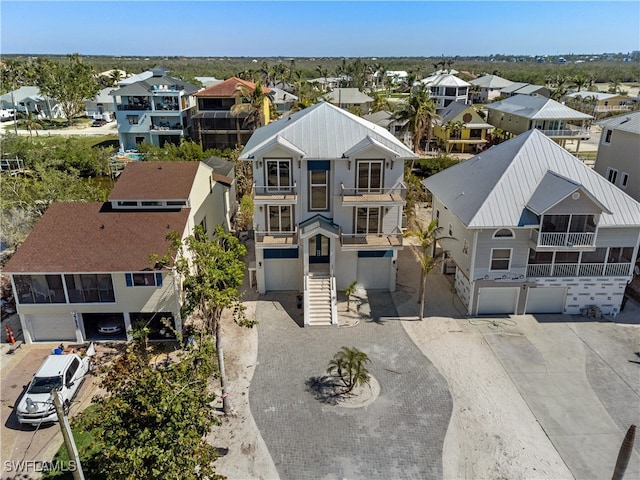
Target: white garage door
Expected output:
[545,300]
[373,273]
[496,300]
[282,274]
[53,328]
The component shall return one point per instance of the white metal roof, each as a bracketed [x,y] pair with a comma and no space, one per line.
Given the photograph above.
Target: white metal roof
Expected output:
[444,80]
[322,131]
[598,95]
[628,122]
[493,189]
[491,81]
[540,108]
[347,95]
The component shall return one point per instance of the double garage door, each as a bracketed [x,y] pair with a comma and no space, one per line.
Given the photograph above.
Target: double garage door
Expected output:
[48,328]
[500,301]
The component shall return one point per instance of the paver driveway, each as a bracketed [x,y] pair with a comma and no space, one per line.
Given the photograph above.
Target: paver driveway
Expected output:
[400,435]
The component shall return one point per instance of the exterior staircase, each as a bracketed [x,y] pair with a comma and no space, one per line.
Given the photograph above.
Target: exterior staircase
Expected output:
[320,300]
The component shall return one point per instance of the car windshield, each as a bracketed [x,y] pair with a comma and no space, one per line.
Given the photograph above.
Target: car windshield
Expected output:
[44,384]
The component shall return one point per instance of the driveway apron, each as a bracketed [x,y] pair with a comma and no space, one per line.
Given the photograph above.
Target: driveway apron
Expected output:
[399,435]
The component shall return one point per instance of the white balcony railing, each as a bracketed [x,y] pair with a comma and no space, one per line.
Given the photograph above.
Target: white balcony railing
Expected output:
[571,239]
[567,133]
[397,194]
[612,108]
[285,238]
[578,270]
[371,239]
[262,190]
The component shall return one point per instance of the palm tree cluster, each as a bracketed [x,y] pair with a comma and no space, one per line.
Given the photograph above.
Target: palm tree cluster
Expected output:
[419,111]
[349,365]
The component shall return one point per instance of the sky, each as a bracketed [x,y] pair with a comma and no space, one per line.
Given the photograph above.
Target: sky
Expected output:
[317,29]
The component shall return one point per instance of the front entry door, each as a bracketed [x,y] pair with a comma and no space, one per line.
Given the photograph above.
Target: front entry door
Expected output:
[319,249]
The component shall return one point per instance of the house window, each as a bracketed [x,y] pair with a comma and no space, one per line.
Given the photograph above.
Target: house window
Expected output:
[500,258]
[367,220]
[89,288]
[369,176]
[596,256]
[132,119]
[624,179]
[450,230]
[319,190]
[280,218]
[278,175]
[146,279]
[151,204]
[612,175]
[465,247]
[607,136]
[437,214]
[203,224]
[503,233]
[620,255]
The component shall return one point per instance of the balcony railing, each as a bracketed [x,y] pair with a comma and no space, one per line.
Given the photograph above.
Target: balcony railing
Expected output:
[578,270]
[564,239]
[137,107]
[612,108]
[277,239]
[164,127]
[377,240]
[567,133]
[394,195]
[270,194]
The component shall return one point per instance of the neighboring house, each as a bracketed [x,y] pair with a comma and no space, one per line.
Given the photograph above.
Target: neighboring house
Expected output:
[350,99]
[600,102]
[155,110]
[28,99]
[487,88]
[388,121]
[84,263]
[536,231]
[328,199]
[225,195]
[282,100]
[397,77]
[445,88]
[523,112]
[214,126]
[618,158]
[101,107]
[208,81]
[518,88]
[328,83]
[460,128]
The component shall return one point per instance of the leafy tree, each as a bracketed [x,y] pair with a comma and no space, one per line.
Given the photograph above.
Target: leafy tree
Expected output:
[349,365]
[427,238]
[426,167]
[380,102]
[350,290]
[212,271]
[16,74]
[153,422]
[420,111]
[415,192]
[251,105]
[69,83]
[31,124]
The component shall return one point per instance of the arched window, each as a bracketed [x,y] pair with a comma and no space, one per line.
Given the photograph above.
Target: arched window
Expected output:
[503,233]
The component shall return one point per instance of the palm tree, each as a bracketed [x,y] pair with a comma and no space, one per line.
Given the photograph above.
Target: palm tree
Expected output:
[453,129]
[427,238]
[31,124]
[380,102]
[252,101]
[420,111]
[350,290]
[349,366]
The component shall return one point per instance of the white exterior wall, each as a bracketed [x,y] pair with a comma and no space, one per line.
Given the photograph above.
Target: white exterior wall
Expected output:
[460,233]
[519,246]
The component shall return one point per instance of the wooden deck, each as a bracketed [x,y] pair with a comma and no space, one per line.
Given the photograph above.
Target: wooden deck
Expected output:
[373,198]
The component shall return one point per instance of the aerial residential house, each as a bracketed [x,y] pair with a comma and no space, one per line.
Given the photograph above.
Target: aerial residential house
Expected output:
[214,124]
[328,199]
[618,158]
[519,88]
[487,88]
[28,99]
[156,109]
[536,230]
[460,128]
[88,263]
[445,88]
[598,103]
[521,113]
[388,120]
[101,107]
[350,99]
[282,100]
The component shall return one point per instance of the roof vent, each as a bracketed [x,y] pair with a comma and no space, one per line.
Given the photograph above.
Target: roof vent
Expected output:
[102,226]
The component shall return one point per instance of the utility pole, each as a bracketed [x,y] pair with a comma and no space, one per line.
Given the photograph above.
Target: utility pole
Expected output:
[68,436]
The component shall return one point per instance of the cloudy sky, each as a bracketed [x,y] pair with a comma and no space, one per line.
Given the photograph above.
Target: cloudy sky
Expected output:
[313,29]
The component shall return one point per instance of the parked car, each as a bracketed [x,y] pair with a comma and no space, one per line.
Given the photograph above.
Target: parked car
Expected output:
[6,115]
[99,122]
[61,371]
[110,326]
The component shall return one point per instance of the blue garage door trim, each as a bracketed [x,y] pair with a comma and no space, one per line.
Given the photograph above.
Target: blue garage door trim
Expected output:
[281,253]
[375,254]
[318,165]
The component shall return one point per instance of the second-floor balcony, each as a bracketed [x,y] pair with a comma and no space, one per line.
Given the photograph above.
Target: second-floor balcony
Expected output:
[611,108]
[574,240]
[165,126]
[352,197]
[281,239]
[581,133]
[270,194]
[358,241]
[579,270]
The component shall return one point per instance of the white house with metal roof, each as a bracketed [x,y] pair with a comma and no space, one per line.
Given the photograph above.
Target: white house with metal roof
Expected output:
[618,158]
[445,88]
[349,98]
[536,231]
[488,88]
[328,199]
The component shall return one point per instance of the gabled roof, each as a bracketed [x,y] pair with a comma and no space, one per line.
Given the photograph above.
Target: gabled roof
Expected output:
[23,93]
[491,81]
[347,95]
[155,181]
[146,86]
[323,131]
[539,108]
[493,189]
[90,237]
[444,80]
[227,88]
[454,110]
[103,96]
[627,122]
[281,96]
[554,188]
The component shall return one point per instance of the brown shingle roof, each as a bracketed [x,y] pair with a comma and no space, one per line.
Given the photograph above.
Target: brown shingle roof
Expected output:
[227,88]
[90,237]
[155,181]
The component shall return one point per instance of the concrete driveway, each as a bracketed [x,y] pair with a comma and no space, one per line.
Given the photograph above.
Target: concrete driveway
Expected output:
[581,379]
